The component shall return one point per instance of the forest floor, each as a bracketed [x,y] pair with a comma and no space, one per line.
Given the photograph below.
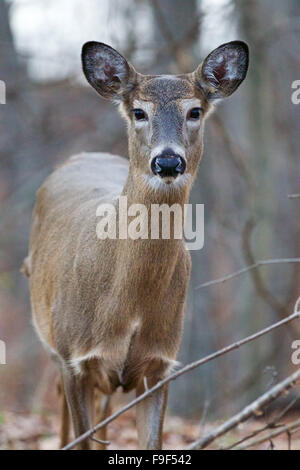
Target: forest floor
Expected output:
[40,432]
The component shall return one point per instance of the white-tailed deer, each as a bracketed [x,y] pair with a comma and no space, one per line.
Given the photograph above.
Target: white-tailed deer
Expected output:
[111,311]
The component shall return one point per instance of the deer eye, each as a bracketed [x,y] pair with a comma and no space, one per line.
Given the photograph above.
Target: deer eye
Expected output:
[194,113]
[139,114]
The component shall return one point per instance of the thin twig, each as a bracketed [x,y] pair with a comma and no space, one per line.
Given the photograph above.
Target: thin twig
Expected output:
[100,441]
[180,372]
[297,305]
[289,436]
[248,268]
[248,411]
[271,425]
[284,429]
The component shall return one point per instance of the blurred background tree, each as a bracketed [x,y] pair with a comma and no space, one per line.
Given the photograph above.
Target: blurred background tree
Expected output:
[250,165]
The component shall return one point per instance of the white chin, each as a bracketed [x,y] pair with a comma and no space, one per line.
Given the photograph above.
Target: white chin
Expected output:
[156,182]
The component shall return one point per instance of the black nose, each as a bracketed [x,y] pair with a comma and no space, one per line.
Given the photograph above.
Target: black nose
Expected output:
[168,166]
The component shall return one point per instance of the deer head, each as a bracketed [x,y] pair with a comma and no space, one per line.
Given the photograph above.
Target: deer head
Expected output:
[165,113]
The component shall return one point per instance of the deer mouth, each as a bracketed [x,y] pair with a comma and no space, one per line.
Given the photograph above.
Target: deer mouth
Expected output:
[169,179]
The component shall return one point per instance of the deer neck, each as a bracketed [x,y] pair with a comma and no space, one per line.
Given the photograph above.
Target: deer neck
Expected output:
[148,264]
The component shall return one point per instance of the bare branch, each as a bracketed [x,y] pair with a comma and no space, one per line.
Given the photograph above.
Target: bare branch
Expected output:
[297,305]
[180,372]
[248,411]
[248,268]
[294,425]
[100,441]
[274,423]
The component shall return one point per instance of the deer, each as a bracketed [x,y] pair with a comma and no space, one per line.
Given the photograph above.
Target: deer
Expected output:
[111,311]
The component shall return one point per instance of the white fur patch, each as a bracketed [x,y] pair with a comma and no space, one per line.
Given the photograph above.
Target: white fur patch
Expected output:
[158,184]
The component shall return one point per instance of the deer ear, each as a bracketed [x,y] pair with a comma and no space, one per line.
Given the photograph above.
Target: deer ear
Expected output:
[107,71]
[223,70]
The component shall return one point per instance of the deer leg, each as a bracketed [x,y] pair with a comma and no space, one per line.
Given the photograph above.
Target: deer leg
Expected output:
[102,411]
[78,390]
[150,416]
[64,415]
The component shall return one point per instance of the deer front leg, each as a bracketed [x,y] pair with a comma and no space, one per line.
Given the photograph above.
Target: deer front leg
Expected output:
[78,390]
[150,416]
[64,414]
